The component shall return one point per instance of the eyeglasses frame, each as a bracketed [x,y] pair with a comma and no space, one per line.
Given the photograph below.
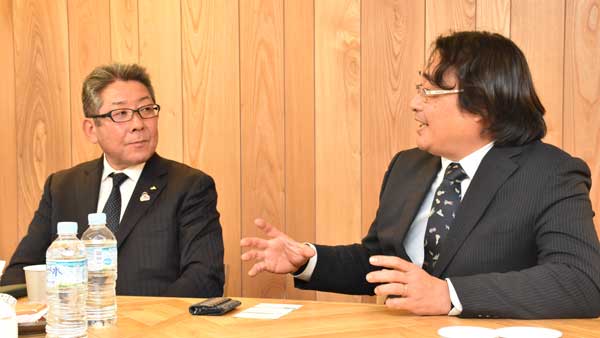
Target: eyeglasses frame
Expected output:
[425,92]
[155,106]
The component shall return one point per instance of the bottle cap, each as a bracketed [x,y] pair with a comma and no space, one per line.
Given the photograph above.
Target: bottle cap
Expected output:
[97,218]
[66,228]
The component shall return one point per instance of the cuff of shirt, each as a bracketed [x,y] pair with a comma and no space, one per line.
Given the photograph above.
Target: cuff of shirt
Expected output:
[305,274]
[456,305]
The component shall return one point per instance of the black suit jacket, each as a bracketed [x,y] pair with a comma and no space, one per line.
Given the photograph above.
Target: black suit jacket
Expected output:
[523,244]
[169,245]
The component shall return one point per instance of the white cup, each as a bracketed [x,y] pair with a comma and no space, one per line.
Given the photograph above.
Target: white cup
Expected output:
[35,279]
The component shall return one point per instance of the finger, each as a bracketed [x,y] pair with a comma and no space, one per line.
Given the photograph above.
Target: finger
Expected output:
[392,289]
[253,255]
[267,228]
[392,262]
[257,268]
[396,303]
[386,276]
[254,242]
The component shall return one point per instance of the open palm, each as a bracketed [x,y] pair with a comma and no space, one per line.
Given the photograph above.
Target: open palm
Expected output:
[279,254]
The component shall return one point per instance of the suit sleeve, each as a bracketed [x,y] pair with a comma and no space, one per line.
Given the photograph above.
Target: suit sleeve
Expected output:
[32,248]
[566,280]
[343,268]
[200,243]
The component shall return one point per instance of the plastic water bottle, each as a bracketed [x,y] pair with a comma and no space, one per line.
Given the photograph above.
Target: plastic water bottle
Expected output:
[101,247]
[8,319]
[66,284]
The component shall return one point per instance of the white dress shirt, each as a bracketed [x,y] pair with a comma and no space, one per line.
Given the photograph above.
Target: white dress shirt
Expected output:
[414,241]
[133,175]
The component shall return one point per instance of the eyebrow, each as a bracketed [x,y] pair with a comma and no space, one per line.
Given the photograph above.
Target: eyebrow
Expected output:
[138,101]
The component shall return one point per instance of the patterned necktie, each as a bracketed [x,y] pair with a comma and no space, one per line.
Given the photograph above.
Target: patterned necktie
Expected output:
[112,208]
[445,203]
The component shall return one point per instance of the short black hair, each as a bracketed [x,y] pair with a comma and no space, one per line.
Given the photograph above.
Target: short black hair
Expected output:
[104,75]
[496,82]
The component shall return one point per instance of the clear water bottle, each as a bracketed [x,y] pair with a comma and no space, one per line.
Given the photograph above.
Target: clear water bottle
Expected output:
[66,284]
[8,318]
[101,247]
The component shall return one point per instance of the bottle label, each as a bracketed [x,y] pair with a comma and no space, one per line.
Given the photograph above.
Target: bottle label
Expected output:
[102,258]
[66,272]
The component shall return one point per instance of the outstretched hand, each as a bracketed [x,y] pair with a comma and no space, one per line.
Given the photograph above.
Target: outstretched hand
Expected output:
[279,254]
[408,287]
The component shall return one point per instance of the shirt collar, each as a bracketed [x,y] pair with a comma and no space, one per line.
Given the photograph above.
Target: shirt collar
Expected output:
[471,162]
[134,172]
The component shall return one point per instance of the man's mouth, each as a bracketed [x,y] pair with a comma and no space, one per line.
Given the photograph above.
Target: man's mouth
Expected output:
[421,123]
[138,142]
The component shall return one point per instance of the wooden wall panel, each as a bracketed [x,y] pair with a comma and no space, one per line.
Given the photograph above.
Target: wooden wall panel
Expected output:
[295,107]
[211,117]
[582,89]
[493,16]
[337,125]
[89,47]
[124,31]
[537,27]
[442,17]
[8,150]
[392,53]
[42,86]
[262,119]
[160,53]
[299,128]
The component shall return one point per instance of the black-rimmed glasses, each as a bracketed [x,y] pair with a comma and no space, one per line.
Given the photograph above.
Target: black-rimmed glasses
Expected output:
[126,114]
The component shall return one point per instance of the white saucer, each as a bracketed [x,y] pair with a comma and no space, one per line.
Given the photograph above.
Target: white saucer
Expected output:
[527,332]
[467,332]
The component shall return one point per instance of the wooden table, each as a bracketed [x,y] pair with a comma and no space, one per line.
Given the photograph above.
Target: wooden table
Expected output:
[169,317]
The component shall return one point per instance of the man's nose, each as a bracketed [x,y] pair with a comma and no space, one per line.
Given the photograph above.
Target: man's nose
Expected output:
[416,103]
[137,122]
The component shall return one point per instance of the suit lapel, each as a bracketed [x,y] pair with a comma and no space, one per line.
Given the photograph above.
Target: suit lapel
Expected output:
[86,193]
[413,194]
[147,189]
[495,168]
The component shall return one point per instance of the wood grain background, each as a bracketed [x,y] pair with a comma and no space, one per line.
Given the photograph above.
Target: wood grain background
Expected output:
[295,107]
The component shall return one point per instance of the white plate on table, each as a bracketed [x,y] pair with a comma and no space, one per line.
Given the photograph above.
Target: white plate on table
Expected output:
[466,332]
[527,332]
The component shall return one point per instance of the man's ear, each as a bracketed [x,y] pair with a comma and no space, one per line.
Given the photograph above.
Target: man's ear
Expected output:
[483,120]
[476,118]
[89,129]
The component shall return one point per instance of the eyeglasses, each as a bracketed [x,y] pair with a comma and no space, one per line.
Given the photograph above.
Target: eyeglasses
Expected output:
[425,92]
[126,114]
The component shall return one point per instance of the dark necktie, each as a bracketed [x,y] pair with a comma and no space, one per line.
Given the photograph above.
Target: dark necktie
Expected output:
[445,203]
[112,208]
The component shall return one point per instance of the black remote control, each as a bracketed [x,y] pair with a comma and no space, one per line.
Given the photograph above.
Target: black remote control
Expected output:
[214,306]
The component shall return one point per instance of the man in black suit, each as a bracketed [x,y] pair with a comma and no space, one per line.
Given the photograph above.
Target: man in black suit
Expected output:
[482,220]
[167,226]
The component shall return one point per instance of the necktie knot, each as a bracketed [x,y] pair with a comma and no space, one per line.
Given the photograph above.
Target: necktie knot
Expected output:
[455,173]
[118,179]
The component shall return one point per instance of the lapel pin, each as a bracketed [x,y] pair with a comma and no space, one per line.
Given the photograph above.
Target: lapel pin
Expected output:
[144,197]
[153,187]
